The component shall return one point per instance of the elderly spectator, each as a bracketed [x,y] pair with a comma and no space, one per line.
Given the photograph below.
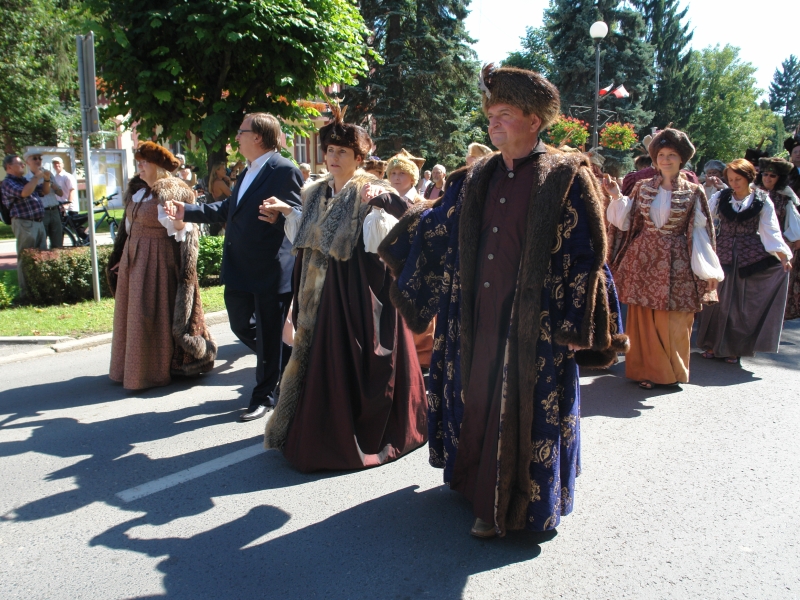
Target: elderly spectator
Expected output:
[184,173]
[713,177]
[50,198]
[22,198]
[424,182]
[68,184]
[475,151]
[305,170]
[436,189]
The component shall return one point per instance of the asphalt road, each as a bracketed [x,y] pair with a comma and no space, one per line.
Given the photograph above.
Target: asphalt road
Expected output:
[688,493]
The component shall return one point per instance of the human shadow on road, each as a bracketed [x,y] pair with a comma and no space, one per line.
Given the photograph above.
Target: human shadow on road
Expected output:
[402,545]
[104,449]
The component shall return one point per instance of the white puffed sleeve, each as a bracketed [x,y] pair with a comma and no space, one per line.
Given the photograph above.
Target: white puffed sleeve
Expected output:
[770,231]
[169,225]
[377,226]
[705,262]
[292,224]
[791,226]
[619,213]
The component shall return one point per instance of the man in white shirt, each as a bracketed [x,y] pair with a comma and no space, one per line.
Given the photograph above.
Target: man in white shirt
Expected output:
[257,262]
[68,184]
[51,200]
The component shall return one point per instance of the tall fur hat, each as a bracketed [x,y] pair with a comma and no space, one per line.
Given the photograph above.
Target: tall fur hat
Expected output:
[791,143]
[526,90]
[671,138]
[405,162]
[338,133]
[754,155]
[157,155]
[775,165]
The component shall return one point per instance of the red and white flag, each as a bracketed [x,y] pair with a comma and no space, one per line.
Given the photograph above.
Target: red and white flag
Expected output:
[621,92]
[604,91]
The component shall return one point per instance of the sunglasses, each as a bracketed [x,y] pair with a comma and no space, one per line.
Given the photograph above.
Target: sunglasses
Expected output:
[35,157]
[768,174]
[241,131]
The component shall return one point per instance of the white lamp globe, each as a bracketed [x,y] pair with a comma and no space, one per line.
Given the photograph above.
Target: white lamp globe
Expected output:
[598,30]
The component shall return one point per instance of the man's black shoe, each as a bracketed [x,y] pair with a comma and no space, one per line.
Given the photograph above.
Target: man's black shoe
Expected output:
[254,413]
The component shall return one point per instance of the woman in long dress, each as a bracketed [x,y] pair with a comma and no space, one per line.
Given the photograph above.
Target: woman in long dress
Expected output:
[773,177]
[159,327]
[757,262]
[666,268]
[352,395]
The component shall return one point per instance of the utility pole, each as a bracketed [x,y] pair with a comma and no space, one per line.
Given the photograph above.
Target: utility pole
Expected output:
[90,123]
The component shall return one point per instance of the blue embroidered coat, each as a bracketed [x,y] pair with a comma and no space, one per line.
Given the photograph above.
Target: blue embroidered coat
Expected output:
[564,296]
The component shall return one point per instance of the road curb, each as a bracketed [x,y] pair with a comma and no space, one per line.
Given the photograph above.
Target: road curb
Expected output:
[69,345]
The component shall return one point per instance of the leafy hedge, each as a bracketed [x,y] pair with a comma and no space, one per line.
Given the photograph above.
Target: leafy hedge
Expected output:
[5,297]
[209,259]
[64,275]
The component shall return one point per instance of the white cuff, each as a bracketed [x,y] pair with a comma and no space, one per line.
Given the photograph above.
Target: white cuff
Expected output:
[705,262]
[792,225]
[292,225]
[619,213]
[169,225]
[377,226]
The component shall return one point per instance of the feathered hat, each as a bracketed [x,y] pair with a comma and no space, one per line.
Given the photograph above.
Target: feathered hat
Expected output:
[671,138]
[753,155]
[338,133]
[526,90]
[157,155]
[406,163]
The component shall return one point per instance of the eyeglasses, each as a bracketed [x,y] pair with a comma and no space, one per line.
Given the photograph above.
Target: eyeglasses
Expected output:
[768,174]
[241,131]
[35,157]
[141,163]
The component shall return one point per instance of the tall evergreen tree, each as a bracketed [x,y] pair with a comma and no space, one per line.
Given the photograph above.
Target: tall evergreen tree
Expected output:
[677,85]
[626,58]
[535,53]
[420,95]
[784,92]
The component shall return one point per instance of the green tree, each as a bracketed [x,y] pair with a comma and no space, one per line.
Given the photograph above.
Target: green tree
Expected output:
[626,58]
[421,90]
[535,53]
[38,83]
[784,92]
[198,66]
[729,118]
[676,90]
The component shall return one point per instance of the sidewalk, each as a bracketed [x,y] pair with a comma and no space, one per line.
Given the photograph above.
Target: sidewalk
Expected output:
[16,349]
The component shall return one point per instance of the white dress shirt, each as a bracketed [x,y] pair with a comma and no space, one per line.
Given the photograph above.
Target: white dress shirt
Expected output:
[253,169]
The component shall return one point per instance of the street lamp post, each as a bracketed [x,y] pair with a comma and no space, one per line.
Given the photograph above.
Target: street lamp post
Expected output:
[598,31]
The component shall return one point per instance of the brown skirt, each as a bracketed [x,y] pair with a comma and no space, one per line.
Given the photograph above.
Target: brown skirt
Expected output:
[660,345]
[749,315]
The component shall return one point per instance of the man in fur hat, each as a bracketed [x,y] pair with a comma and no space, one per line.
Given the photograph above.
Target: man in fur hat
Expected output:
[511,262]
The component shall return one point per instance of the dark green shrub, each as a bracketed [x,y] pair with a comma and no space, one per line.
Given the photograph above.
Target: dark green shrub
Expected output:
[209,259]
[65,275]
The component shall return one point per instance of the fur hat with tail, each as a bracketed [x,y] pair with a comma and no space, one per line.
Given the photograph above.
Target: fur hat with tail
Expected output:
[526,90]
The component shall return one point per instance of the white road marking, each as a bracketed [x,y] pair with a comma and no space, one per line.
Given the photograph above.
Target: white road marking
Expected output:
[158,485]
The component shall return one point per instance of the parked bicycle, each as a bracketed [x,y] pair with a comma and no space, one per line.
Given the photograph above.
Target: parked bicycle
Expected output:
[74,224]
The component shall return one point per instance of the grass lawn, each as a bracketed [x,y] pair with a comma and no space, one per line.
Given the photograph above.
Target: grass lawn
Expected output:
[7,234]
[78,320]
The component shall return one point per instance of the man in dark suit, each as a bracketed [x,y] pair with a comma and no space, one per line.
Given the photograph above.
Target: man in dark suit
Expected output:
[257,262]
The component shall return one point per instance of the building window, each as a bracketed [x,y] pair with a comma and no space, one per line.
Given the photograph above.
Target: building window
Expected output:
[301,149]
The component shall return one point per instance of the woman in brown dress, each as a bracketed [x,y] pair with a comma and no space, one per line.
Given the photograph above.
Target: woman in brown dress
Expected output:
[352,395]
[666,268]
[773,176]
[159,328]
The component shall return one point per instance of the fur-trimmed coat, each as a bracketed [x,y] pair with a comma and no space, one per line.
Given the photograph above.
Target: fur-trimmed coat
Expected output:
[194,350]
[352,394]
[559,300]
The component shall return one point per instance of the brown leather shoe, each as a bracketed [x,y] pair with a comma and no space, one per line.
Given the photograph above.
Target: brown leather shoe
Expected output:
[482,529]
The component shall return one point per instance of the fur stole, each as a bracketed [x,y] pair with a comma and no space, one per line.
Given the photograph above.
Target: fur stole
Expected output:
[330,228]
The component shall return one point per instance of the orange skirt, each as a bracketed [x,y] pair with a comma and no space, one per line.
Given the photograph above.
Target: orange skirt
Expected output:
[660,345]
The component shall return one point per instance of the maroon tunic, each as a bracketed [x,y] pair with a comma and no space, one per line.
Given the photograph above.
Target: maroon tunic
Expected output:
[363,400]
[503,231]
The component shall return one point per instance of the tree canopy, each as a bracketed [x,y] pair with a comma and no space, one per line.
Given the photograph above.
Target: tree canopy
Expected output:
[784,92]
[535,54]
[421,92]
[729,118]
[199,65]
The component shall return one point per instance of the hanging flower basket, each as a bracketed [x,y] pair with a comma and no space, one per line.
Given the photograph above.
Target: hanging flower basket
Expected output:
[618,136]
[569,130]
